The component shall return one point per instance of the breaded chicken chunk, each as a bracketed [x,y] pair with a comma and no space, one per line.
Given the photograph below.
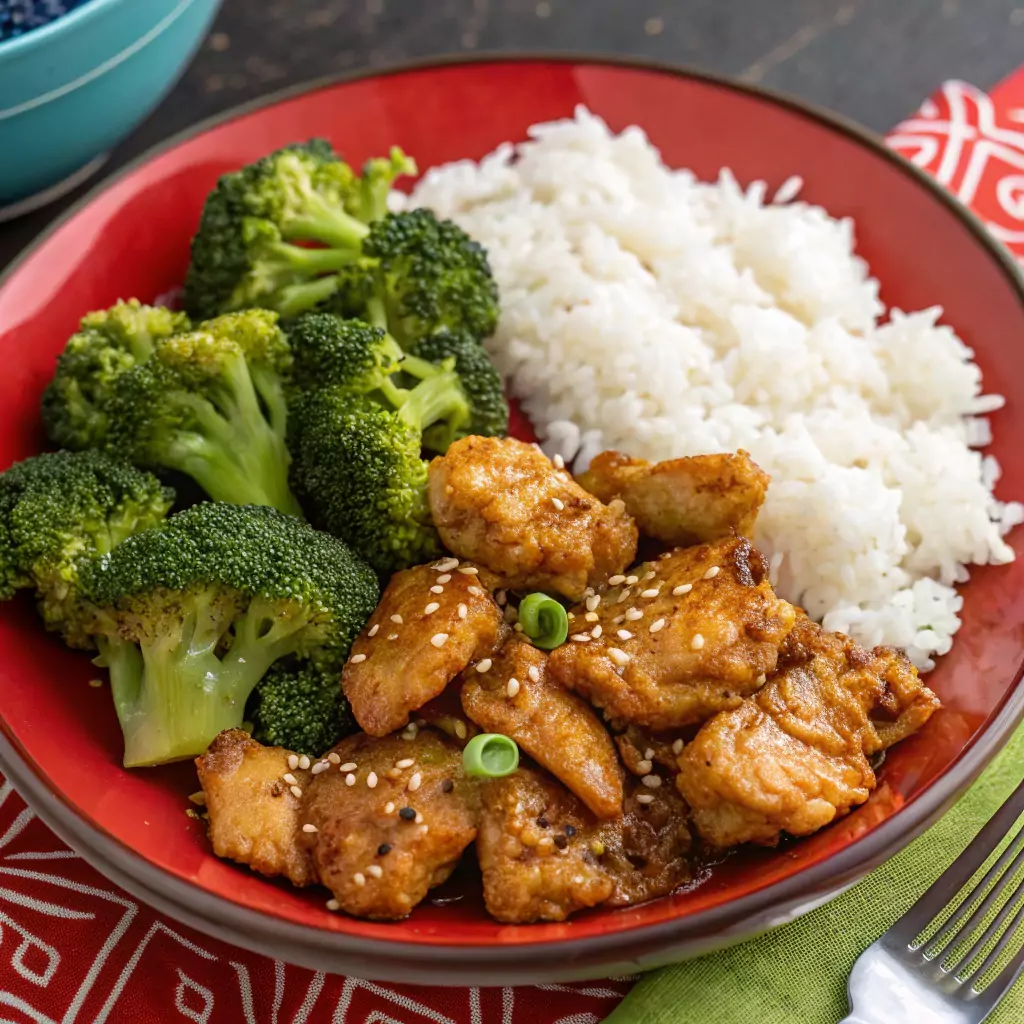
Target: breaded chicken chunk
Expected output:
[545,856]
[432,621]
[795,757]
[254,815]
[503,504]
[684,501]
[554,726]
[680,638]
[398,829]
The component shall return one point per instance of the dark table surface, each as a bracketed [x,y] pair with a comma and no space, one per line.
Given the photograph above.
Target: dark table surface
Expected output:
[872,60]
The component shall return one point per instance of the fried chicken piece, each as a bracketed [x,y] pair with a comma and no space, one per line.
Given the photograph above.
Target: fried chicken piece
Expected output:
[682,638]
[795,756]
[430,624]
[684,501]
[380,848]
[254,815]
[555,727]
[640,750]
[502,503]
[544,855]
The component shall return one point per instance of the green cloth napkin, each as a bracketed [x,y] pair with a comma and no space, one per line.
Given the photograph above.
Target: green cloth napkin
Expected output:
[797,974]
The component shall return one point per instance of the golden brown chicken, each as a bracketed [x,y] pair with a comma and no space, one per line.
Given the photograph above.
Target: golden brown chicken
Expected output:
[555,727]
[795,756]
[502,503]
[432,622]
[678,640]
[391,820]
[254,815]
[682,501]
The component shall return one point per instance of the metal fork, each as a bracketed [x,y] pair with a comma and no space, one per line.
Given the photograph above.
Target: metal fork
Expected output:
[935,981]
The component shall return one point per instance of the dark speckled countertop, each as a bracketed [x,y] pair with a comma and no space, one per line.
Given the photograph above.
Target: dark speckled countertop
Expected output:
[872,60]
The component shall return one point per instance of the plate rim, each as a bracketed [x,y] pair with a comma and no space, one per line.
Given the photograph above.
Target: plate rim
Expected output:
[527,962]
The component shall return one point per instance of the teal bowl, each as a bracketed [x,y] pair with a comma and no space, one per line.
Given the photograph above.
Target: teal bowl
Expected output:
[72,89]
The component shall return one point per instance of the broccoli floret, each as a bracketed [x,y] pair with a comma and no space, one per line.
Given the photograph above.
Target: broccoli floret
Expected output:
[301,707]
[211,403]
[481,382]
[107,343]
[190,615]
[59,510]
[251,248]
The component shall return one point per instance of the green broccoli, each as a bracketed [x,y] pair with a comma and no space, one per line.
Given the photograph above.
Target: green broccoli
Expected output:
[107,343]
[251,248]
[190,615]
[301,707]
[61,509]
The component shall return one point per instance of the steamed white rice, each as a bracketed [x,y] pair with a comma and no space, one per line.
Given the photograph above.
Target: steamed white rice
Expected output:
[650,312]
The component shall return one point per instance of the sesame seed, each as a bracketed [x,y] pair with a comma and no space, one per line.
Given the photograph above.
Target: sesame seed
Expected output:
[447,565]
[290,779]
[711,573]
[630,580]
[650,575]
[591,616]
[333,905]
[350,779]
[558,503]
[632,614]
[384,849]
[389,808]
[581,638]
[645,766]
[406,762]
[619,657]
[424,829]
[393,773]
[460,729]
[560,841]
[414,782]
[657,625]
[303,762]
[392,636]
[683,588]
[624,634]
[463,611]
[483,665]
[397,619]
[596,632]
[617,620]
[534,673]
[444,579]
[651,781]
[557,461]
[761,679]
[320,766]
[376,870]
[644,798]
[296,792]
[359,878]
[357,658]
[310,828]
[333,758]
[677,746]
[371,780]
[649,753]
[614,581]
[349,766]
[546,841]
[437,589]
[410,731]
[518,809]
[652,592]
[593,602]
[438,639]
[374,629]
[431,608]
[407,814]
[624,596]
[513,687]
[570,616]
[477,592]
[418,819]
[577,880]
[469,570]
[293,761]
[96,683]
[697,642]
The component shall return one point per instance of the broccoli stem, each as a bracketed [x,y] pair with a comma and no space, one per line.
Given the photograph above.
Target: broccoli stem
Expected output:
[438,398]
[310,261]
[294,299]
[322,222]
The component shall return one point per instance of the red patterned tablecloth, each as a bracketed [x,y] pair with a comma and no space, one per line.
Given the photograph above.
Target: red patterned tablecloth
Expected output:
[74,948]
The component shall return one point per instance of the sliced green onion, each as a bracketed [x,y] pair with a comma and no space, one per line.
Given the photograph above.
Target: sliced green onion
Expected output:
[491,755]
[544,621]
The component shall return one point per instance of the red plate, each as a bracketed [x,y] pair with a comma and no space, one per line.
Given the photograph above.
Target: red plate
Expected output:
[59,741]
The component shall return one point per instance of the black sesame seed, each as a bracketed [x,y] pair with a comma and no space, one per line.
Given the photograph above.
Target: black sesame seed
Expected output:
[570,830]
[542,822]
[561,842]
[447,786]
[407,814]
[383,849]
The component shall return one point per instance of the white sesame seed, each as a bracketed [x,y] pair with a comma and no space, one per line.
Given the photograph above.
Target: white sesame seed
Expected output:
[589,592]
[570,616]
[619,657]
[577,880]
[534,673]
[651,781]
[711,573]
[376,870]
[630,580]
[593,602]
[581,638]
[643,767]
[447,565]
[303,762]
[290,779]
[418,819]
[296,792]
[424,829]
[644,798]
[653,592]
[632,614]
[333,905]
[350,779]
[333,758]
[546,841]
[320,766]
[614,581]
[483,665]
[558,503]
[444,578]
[431,608]
[624,596]
[406,762]
[591,616]
[438,639]
[437,589]
[397,619]
[650,575]
[657,625]
[389,808]
[557,461]
[596,631]
[414,782]
[677,746]
[310,828]
[374,629]
[360,879]
[392,636]
[513,687]
[371,780]
[683,588]
[357,658]
[293,761]
[761,679]
[460,729]
[649,753]
[463,611]
[469,570]
[349,766]
[697,642]
[477,592]
[624,634]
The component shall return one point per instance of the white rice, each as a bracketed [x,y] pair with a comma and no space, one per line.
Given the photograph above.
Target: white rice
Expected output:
[647,311]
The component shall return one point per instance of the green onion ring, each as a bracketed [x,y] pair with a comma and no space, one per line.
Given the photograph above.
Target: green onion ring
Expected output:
[490,755]
[544,621]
